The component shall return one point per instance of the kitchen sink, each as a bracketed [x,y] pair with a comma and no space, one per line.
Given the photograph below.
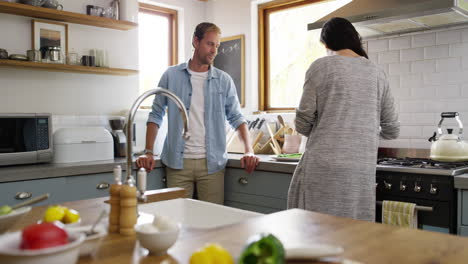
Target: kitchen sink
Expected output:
[193,213]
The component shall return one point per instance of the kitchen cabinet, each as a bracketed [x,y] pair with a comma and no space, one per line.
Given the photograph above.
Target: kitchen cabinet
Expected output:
[463,212]
[156,179]
[261,191]
[71,17]
[54,186]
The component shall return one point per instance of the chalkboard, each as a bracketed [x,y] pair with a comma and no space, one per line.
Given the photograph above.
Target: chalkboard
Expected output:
[230,59]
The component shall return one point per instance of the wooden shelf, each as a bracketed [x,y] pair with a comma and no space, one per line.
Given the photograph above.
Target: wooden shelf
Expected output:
[65,68]
[53,14]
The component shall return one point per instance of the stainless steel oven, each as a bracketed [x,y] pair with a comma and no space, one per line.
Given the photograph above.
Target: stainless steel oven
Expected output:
[25,138]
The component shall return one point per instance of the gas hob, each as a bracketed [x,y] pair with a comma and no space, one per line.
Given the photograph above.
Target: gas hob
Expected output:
[422,166]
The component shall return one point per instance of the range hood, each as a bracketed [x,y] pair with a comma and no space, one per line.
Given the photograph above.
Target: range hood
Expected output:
[387,17]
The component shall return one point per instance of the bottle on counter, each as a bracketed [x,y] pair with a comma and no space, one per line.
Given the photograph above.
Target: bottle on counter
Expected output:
[114,215]
[128,207]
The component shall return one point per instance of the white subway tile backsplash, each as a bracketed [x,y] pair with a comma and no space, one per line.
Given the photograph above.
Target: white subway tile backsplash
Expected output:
[448,91]
[464,90]
[389,57]
[434,106]
[423,40]
[411,106]
[458,77]
[448,37]
[459,49]
[377,45]
[422,119]
[465,35]
[429,77]
[374,57]
[411,81]
[426,92]
[405,119]
[420,143]
[410,131]
[436,52]
[399,68]
[464,62]
[400,43]
[435,78]
[423,66]
[448,64]
[412,54]
[394,82]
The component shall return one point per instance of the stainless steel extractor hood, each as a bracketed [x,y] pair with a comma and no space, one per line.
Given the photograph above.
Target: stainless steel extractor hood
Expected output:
[386,17]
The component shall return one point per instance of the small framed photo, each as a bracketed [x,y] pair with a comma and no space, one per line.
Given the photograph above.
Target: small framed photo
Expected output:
[47,34]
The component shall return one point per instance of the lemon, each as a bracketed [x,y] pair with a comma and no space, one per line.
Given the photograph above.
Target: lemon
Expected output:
[211,254]
[71,216]
[54,213]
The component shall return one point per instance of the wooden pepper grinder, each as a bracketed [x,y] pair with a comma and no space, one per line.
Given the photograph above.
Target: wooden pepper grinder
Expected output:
[114,215]
[128,207]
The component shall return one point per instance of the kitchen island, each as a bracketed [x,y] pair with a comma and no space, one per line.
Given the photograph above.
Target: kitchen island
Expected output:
[363,242]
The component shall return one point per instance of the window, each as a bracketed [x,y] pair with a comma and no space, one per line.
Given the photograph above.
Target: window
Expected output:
[287,49]
[157,45]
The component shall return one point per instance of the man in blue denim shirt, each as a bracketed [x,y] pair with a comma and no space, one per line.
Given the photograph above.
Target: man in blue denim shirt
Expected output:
[210,98]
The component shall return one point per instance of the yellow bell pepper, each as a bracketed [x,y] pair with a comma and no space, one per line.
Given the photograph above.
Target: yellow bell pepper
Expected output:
[211,254]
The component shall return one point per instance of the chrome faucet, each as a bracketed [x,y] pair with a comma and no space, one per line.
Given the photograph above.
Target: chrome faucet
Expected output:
[130,180]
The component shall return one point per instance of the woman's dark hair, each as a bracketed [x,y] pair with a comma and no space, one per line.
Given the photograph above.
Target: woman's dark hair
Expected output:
[338,33]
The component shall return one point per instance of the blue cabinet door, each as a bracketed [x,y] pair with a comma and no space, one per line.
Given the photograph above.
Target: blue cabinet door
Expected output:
[261,191]
[54,186]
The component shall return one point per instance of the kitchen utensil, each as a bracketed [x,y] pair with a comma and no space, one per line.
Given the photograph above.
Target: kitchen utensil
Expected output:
[281,120]
[277,147]
[3,54]
[91,231]
[33,2]
[54,4]
[34,55]
[32,201]
[449,147]
[18,57]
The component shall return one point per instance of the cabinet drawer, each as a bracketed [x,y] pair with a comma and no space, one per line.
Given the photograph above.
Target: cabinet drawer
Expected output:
[156,179]
[279,204]
[464,207]
[53,186]
[463,231]
[87,186]
[258,183]
[250,207]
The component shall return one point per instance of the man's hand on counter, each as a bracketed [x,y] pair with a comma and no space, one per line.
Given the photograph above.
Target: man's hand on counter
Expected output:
[146,161]
[249,162]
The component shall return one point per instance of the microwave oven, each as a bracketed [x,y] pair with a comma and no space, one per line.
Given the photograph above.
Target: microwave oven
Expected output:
[25,138]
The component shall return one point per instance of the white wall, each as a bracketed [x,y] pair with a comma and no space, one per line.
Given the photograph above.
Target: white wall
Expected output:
[69,93]
[428,73]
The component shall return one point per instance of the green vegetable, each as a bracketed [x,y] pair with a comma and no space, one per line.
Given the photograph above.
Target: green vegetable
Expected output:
[294,155]
[263,249]
[5,210]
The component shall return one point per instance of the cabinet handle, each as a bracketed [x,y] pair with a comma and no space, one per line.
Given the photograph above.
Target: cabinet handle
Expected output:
[23,195]
[243,181]
[102,186]
[164,179]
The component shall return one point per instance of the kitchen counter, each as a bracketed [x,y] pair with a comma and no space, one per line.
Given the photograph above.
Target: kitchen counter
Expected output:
[461,181]
[51,170]
[363,242]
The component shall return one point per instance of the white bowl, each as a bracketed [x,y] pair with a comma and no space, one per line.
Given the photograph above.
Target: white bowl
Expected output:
[11,253]
[91,243]
[6,221]
[157,242]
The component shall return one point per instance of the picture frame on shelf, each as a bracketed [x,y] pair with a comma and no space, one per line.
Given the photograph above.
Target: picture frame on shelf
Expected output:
[47,34]
[231,59]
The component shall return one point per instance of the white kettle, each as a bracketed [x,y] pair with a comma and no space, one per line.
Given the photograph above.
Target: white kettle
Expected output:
[449,147]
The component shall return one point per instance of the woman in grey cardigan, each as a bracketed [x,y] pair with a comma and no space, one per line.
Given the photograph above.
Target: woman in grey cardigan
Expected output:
[345,106]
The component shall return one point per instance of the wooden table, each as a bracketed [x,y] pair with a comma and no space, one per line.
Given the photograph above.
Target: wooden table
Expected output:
[362,241]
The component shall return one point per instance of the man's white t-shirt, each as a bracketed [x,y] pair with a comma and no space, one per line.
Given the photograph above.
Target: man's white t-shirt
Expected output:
[195,147]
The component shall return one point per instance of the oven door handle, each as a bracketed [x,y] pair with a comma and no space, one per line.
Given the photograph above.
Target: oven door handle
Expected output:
[418,207]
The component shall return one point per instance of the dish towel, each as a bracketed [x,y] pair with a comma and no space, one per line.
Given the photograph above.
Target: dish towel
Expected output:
[399,214]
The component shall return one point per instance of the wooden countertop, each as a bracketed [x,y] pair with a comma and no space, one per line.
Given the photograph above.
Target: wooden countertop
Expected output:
[363,242]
